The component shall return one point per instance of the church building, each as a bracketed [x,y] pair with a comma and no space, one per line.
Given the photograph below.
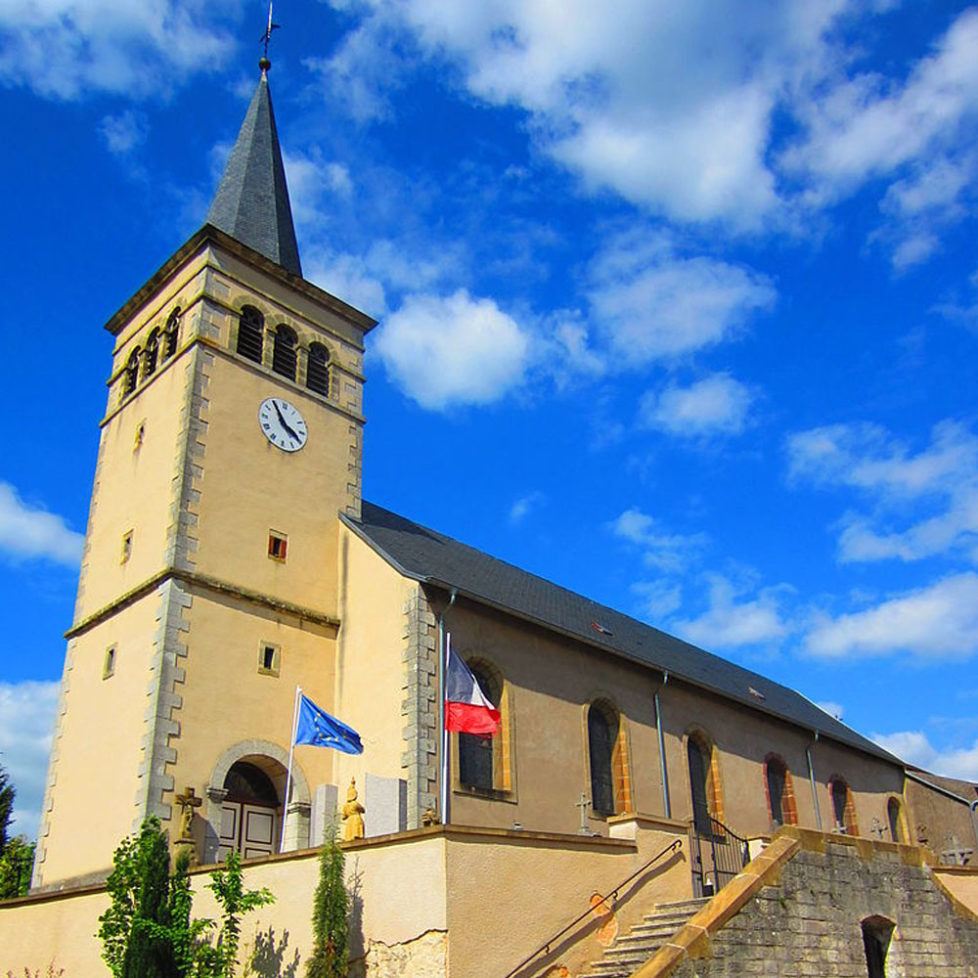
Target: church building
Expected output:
[230,557]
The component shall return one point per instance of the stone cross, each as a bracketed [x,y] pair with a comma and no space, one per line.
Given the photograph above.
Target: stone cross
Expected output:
[956,854]
[188,801]
[583,806]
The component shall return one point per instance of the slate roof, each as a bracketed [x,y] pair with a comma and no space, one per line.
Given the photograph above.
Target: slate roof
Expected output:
[252,200]
[431,557]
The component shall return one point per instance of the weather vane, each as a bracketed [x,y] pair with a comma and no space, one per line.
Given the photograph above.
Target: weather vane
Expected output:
[265,64]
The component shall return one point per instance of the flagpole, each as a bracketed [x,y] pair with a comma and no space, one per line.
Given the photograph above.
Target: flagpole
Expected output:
[446,652]
[288,776]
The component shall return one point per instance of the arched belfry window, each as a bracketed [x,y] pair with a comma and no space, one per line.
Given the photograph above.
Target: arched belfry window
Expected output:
[478,755]
[170,333]
[780,791]
[317,369]
[843,806]
[283,352]
[251,331]
[151,353]
[132,373]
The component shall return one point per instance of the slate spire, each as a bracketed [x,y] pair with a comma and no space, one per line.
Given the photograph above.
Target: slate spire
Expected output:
[252,200]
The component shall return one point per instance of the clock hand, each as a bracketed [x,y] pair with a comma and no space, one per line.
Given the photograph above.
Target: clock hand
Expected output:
[285,423]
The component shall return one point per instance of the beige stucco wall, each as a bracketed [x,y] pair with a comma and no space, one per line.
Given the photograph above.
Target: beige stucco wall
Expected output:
[410,889]
[551,680]
[937,819]
[369,666]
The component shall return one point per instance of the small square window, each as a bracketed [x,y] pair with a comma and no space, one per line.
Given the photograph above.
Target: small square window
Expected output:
[108,664]
[269,659]
[278,545]
[126,547]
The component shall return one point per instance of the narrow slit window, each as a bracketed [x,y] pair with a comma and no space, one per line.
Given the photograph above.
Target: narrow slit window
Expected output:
[278,545]
[269,659]
[126,547]
[108,663]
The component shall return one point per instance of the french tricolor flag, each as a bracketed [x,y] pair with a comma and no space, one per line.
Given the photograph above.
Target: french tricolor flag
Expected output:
[466,708]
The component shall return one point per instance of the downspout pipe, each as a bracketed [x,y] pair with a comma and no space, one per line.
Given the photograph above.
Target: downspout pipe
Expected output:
[811,778]
[443,733]
[974,820]
[662,748]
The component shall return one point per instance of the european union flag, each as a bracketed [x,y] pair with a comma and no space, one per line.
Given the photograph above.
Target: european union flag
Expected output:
[318,728]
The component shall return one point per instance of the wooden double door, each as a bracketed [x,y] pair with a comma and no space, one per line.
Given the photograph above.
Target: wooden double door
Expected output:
[252,830]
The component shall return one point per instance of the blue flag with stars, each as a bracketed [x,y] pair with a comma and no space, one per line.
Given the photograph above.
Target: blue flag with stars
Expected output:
[318,728]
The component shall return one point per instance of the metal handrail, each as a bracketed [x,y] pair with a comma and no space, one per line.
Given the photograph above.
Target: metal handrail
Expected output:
[613,894]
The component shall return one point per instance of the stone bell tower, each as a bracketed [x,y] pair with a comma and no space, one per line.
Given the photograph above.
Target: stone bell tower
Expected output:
[230,443]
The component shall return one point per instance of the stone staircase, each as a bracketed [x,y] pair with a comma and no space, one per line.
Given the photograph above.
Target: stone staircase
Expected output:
[628,953]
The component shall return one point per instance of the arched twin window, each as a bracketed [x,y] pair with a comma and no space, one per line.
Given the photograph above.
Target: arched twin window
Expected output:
[132,372]
[251,333]
[317,369]
[704,782]
[484,762]
[151,353]
[170,333]
[607,759]
[780,791]
[843,806]
[284,351]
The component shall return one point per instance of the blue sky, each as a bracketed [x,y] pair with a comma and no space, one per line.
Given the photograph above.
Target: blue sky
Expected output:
[678,302]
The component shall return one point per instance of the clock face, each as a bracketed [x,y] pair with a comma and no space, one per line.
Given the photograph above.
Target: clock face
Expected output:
[282,424]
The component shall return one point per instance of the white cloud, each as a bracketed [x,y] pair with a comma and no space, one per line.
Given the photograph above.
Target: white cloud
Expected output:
[924,503]
[652,304]
[312,179]
[665,551]
[524,505]
[29,532]
[833,709]
[26,722]
[914,747]
[731,623]
[659,598]
[939,621]
[66,48]
[124,132]
[444,351]
[717,404]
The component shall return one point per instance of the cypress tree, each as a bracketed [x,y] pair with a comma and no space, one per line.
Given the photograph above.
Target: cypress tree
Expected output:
[331,906]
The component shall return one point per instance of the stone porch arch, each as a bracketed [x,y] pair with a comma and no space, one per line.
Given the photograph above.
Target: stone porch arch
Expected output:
[295,828]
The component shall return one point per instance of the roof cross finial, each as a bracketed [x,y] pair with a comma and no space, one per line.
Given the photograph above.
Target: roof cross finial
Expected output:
[264,63]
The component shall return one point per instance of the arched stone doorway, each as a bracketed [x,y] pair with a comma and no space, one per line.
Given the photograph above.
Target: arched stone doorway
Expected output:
[246,806]
[251,812]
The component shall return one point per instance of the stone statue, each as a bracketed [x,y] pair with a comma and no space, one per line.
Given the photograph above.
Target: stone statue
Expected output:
[188,803]
[352,814]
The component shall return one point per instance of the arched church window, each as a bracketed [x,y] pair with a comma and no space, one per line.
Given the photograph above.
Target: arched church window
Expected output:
[251,332]
[893,816]
[477,754]
[317,369]
[170,333]
[602,735]
[283,352]
[843,806]
[150,353]
[780,791]
[132,373]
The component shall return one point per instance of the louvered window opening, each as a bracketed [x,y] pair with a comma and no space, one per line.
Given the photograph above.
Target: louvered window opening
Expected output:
[132,373]
[150,354]
[317,370]
[284,353]
[170,332]
[251,330]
